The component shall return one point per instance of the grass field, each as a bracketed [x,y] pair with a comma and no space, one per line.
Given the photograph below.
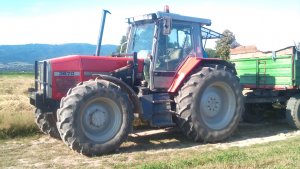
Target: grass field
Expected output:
[16,114]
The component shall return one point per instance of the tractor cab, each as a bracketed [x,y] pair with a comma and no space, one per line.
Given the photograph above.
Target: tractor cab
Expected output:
[165,40]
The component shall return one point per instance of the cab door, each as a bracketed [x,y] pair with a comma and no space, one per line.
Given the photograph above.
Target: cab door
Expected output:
[170,51]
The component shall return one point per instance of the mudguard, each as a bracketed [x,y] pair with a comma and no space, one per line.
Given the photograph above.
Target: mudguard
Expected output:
[191,64]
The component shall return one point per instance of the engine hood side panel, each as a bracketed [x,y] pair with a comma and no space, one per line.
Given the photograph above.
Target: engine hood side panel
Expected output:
[69,70]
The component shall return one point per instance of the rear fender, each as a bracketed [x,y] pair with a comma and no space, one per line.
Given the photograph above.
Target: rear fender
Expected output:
[191,64]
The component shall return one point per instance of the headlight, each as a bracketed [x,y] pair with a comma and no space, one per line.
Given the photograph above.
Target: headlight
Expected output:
[45,78]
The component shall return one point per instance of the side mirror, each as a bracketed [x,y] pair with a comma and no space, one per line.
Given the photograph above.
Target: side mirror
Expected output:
[167,25]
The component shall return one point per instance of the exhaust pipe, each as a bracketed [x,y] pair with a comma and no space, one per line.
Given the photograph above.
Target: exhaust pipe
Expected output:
[98,49]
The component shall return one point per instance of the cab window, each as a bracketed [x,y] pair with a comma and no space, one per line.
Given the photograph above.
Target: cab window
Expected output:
[173,48]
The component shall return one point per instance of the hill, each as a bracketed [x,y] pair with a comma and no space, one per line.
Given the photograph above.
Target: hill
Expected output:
[21,57]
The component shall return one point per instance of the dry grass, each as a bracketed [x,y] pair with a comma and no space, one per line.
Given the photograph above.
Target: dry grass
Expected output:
[16,114]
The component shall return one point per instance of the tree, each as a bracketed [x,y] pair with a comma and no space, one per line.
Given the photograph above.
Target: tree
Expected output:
[224,44]
[211,53]
[122,44]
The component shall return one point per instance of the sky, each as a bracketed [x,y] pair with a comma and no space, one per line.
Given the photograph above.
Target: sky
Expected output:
[268,24]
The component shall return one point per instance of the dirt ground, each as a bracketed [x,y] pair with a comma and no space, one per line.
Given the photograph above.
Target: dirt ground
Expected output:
[43,152]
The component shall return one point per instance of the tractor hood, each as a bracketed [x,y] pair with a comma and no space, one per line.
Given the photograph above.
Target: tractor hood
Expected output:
[88,65]
[67,71]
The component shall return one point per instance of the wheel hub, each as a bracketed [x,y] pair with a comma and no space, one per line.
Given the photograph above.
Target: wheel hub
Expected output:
[101,119]
[213,105]
[217,105]
[98,118]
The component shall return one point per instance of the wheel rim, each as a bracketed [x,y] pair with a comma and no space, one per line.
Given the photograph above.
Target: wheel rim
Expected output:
[217,105]
[101,119]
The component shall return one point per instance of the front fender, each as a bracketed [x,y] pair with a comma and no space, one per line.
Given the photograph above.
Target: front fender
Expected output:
[132,95]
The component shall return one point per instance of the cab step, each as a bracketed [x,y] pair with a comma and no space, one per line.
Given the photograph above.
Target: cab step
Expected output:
[157,109]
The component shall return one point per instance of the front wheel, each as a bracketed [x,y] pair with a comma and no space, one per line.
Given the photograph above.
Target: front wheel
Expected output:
[95,117]
[209,105]
[47,123]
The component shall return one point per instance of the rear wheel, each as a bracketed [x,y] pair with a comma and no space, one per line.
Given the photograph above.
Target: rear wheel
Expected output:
[95,117]
[293,112]
[47,123]
[209,105]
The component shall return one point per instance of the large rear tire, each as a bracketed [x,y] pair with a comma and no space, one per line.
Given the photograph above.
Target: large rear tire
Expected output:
[95,117]
[209,105]
[293,112]
[47,123]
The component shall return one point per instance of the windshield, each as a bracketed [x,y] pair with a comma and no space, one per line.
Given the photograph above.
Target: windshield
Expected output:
[142,38]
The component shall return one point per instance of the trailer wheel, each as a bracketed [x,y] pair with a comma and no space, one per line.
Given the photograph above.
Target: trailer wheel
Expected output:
[47,123]
[293,112]
[209,105]
[95,117]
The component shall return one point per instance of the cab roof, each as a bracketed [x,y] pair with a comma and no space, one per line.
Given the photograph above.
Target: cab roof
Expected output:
[159,15]
[178,17]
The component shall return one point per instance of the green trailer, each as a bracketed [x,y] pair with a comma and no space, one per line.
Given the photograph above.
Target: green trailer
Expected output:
[270,80]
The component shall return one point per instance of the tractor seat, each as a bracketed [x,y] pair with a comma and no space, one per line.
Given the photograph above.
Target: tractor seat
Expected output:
[174,56]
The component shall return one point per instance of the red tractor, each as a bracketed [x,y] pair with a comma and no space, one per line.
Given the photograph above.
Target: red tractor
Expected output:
[164,78]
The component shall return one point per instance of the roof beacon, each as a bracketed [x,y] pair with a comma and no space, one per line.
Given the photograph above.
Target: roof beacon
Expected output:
[166,9]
